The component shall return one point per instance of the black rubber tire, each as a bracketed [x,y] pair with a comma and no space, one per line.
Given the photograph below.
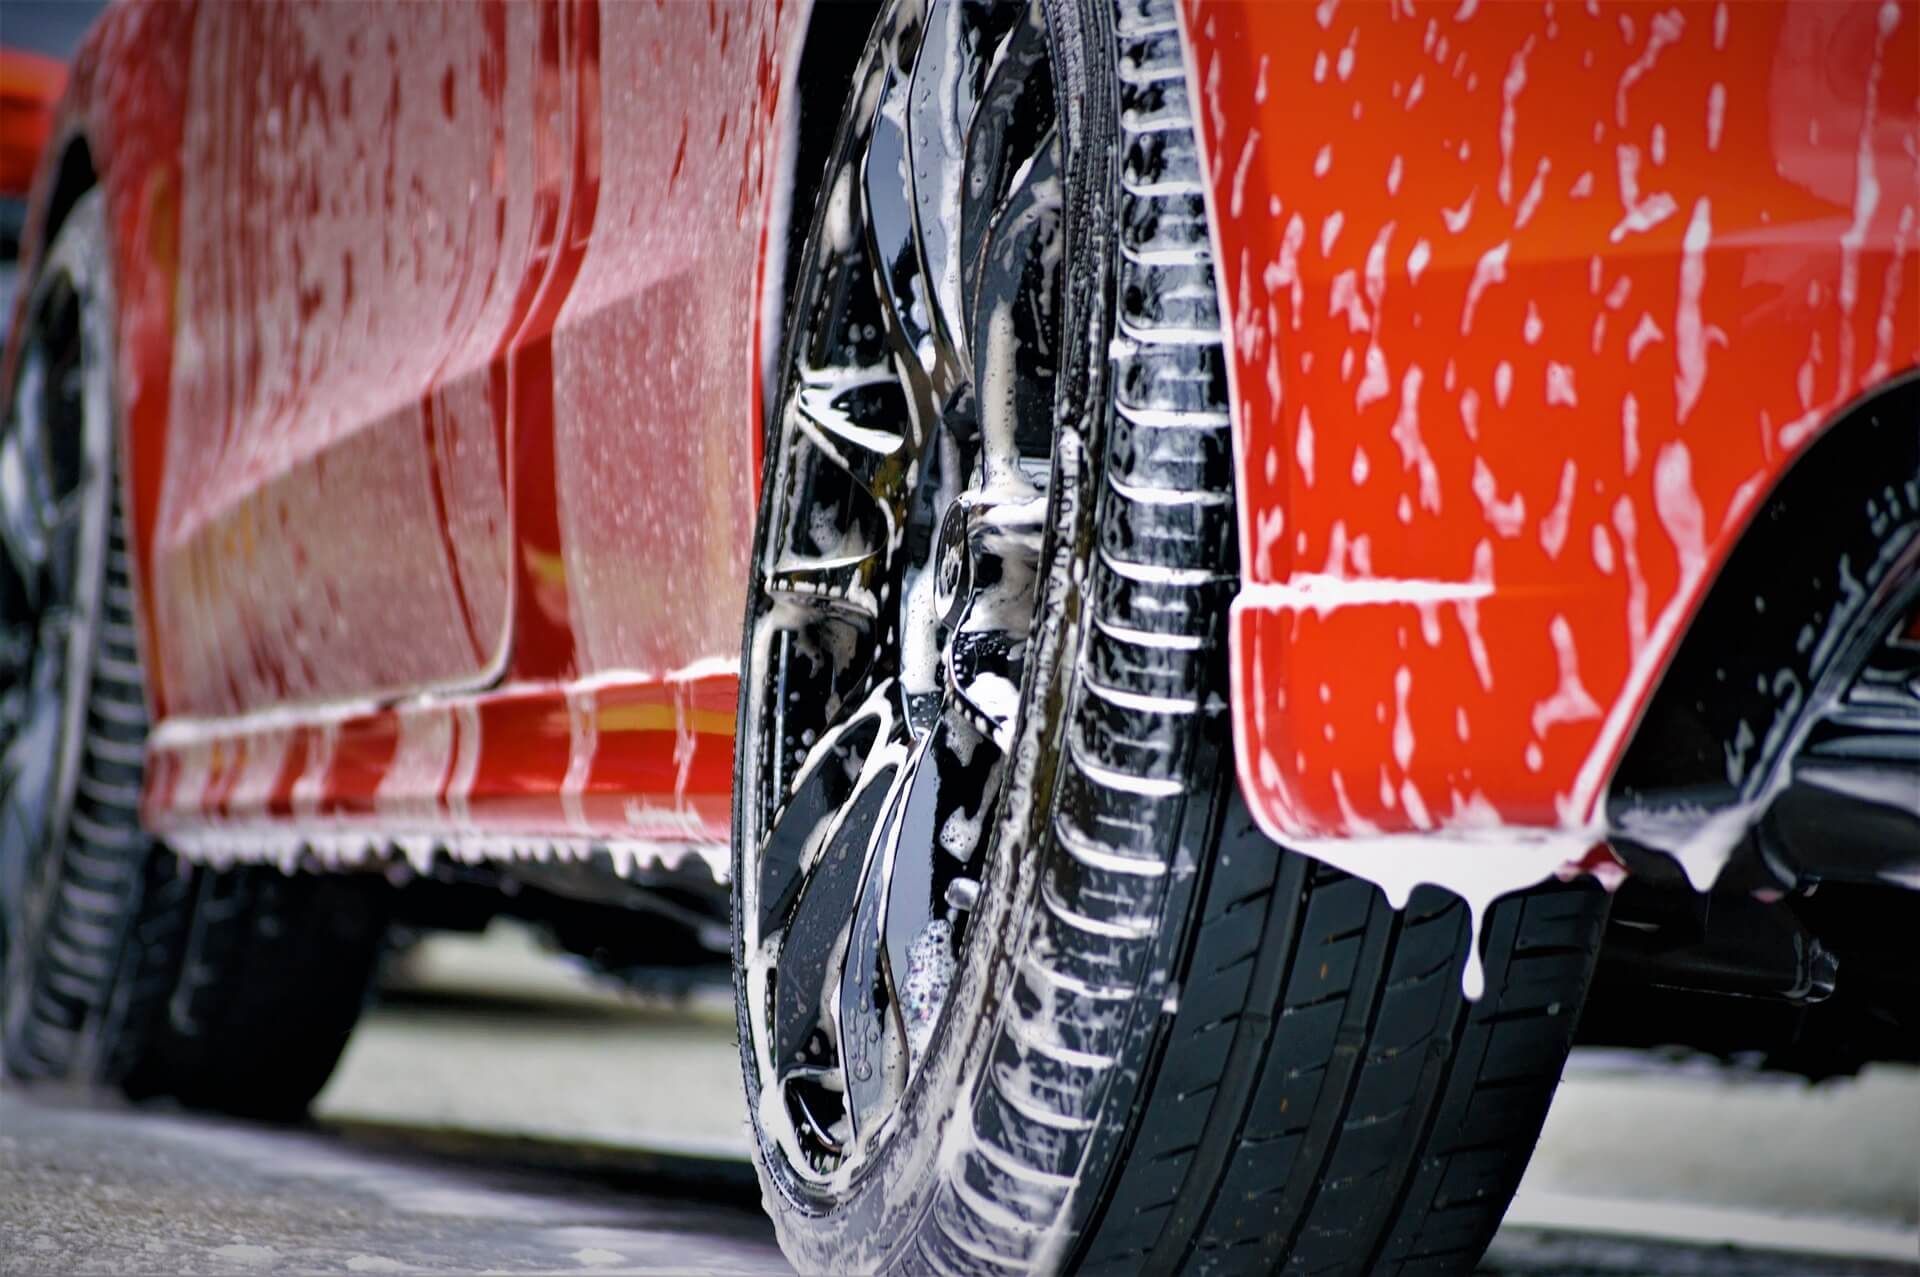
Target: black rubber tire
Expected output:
[1176,1046]
[230,990]
[1325,1099]
[272,976]
[115,910]
[73,997]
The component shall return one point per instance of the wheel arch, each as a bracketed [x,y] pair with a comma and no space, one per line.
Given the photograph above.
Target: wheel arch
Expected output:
[72,176]
[1822,569]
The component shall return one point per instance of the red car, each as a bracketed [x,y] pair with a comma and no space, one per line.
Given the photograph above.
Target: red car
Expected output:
[1152,560]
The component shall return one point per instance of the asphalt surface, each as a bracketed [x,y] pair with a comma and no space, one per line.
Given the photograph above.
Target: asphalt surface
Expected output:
[499,1114]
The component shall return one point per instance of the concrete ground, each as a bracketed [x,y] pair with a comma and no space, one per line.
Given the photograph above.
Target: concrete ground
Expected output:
[498,1113]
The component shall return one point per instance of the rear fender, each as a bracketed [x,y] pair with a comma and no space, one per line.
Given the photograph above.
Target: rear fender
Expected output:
[1530,307]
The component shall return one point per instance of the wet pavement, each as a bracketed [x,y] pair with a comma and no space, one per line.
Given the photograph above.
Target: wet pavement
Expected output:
[108,1191]
[499,1114]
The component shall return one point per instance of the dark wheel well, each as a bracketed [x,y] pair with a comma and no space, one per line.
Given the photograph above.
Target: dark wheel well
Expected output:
[1791,609]
[74,178]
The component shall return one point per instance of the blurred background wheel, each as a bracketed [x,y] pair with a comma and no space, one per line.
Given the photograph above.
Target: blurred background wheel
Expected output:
[119,964]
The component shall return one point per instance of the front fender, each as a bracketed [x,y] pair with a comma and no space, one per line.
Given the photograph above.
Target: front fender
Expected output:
[119,126]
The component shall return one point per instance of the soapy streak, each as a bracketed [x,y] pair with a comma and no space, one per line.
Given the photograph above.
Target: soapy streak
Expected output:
[1326,593]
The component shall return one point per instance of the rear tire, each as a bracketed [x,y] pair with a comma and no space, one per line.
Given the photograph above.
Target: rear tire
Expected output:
[1167,1043]
[120,964]
[272,976]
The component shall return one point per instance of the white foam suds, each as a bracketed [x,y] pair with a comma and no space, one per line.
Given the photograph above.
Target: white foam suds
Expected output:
[1457,218]
[1866,187]
[1570,702]
[1602,549]
[1560,387]
[1641,213]
[1644,334]
[1690,333]
[1491,269]
[1303,445]
[1330,231]
[1505,517]
[1470,854]
[1413,449]
[1510,87]
[1402,725]
[1553,527]
[1322,593]
[1664,30]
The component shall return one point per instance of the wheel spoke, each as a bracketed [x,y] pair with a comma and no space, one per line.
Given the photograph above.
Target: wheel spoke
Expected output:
[941,100]
[1013,359]
[1015,89]
[31,749]
[886,183]
[870,1033]
[824,785]
[939,829]
[815,929]
[845,584]
[898,961]
[931,372]
[985,659]
[16,629]
[848,418]
[25,490]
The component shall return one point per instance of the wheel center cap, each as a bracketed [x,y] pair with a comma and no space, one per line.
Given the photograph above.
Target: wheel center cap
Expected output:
[953,565]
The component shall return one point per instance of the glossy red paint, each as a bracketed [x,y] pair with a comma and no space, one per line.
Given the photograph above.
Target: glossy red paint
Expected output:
[30,86]
[441,460]
[1529,306]
[644,768]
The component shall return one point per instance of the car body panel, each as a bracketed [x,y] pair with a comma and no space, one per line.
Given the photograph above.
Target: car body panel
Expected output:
[124,110]
[357,251]
[443,468]
[30,87]
[1529,307]
[440,351]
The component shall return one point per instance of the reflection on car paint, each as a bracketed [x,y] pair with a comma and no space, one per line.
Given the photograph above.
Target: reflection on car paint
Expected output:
[429,426]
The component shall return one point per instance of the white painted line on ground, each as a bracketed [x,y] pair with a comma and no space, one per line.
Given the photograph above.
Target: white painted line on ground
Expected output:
[1712,1226]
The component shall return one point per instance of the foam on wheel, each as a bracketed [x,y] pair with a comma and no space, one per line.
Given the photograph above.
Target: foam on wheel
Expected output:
[121,965]
[1164,1042]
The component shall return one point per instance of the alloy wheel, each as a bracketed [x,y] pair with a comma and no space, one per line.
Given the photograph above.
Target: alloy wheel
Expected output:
[895,586]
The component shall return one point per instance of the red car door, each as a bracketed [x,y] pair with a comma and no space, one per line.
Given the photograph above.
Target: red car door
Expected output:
[465,403]
[358,247]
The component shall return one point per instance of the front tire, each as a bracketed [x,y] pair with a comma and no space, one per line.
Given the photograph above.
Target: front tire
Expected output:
[1021,988]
